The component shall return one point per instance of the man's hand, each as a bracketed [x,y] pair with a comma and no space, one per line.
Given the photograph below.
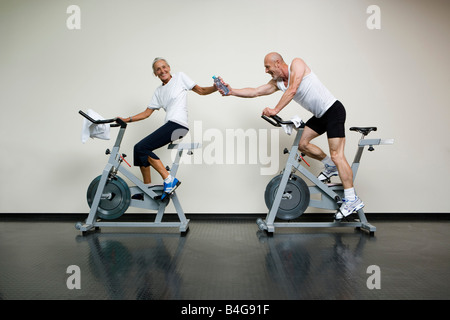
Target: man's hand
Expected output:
[269,112]
[226,85]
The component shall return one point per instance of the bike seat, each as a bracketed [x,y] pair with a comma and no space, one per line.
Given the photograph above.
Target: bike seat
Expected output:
[364,130]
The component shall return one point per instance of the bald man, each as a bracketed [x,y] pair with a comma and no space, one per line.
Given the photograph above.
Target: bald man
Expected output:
[300,84]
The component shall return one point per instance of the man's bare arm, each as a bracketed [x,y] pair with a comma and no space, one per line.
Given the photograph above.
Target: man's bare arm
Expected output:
[298,69]
[263,90]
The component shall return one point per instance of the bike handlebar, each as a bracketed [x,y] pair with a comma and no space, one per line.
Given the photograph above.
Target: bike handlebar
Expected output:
[118,122]
[277,121]
[273,120]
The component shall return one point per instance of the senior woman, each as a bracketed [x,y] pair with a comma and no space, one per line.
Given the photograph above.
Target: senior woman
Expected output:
[171,95]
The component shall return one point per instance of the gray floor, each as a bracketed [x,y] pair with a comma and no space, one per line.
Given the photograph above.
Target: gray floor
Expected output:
[224,258]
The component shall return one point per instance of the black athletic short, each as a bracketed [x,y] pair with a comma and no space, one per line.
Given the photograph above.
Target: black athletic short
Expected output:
[169,132]
[332,122]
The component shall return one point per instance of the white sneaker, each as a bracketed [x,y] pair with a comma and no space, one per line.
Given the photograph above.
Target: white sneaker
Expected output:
[348,207]
[327,173]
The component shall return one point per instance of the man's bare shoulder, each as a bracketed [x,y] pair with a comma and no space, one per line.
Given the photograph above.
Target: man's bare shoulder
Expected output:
[298,62]
[299,65]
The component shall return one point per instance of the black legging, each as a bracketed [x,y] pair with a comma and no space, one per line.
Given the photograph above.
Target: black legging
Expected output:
[169,132]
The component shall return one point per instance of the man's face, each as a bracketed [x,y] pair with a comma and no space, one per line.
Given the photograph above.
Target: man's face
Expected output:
[162,71]
[272,68]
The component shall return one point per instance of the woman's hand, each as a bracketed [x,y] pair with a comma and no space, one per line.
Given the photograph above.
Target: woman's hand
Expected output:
[124,119]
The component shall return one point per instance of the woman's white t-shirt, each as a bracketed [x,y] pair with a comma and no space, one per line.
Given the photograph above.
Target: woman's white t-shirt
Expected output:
[172,97]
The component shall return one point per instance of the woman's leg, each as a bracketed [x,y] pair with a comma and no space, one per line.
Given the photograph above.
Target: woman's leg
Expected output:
[144,157]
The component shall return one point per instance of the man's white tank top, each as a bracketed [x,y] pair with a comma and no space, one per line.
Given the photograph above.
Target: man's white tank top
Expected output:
[311,94]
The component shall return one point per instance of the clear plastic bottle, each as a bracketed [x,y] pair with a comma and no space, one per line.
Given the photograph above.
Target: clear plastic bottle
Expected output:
[220,85]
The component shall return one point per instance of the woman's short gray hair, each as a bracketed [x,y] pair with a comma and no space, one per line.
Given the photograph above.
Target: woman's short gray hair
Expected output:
[156,60]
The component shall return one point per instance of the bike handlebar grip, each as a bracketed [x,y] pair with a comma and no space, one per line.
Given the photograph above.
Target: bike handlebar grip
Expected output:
[277,121]
[120,123]
[271,120]
[86,116]
[101,121]
[281,121]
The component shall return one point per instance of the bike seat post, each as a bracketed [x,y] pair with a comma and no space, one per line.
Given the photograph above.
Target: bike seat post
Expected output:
[180,147]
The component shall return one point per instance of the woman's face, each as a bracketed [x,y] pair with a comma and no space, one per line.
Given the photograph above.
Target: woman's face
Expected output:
[162,71]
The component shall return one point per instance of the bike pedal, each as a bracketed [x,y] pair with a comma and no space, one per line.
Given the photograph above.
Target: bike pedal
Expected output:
[333,184]
[341,220]
[166,195]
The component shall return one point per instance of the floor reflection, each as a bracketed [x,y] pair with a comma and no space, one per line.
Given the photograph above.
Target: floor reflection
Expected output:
[135,266]
[326,265]
[224,259]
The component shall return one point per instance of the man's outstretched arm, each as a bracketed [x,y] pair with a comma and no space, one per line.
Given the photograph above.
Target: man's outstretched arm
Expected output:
[263,90]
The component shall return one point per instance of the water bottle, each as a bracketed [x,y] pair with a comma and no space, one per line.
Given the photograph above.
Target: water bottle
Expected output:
[220,85]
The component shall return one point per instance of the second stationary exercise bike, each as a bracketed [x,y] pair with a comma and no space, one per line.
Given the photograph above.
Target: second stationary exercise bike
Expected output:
[287,196]
[109,196]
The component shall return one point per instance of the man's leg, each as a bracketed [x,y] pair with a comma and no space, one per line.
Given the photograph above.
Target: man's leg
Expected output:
[337,146]
[305,145]
[351,203]
[315,152]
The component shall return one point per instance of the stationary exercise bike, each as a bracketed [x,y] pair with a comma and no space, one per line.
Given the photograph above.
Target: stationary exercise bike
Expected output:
[109,196]
[287,196]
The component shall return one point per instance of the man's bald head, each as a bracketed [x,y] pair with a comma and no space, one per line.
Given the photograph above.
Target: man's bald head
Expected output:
[273,57]
[274,64]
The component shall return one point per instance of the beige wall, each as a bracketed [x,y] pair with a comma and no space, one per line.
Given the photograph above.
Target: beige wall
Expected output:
[396,78]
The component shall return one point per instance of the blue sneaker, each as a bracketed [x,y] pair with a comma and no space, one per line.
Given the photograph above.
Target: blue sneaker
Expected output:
[169,187]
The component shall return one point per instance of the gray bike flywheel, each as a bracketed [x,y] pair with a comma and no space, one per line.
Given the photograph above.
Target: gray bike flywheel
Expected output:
[295,198]
[116,204]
